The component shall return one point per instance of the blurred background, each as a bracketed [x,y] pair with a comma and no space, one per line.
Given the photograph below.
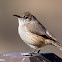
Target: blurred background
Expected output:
[48,12]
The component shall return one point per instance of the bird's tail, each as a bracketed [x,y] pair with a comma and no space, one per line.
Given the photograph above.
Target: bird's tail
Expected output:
[60,48]
[56,44]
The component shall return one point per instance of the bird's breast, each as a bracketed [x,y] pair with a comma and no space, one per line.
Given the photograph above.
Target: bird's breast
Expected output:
[28,37]
[25,35]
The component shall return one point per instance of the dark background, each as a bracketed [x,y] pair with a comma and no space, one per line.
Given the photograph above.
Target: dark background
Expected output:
[48,12]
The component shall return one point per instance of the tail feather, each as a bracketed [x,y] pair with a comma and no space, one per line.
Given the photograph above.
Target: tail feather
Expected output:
[56,44]
[60,48]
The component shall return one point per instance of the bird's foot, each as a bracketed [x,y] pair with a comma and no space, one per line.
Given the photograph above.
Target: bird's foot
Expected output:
[34,52]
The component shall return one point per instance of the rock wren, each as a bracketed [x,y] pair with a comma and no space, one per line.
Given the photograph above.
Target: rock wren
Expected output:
[33,33]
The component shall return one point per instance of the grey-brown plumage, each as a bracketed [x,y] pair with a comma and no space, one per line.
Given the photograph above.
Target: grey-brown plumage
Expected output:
[33,33]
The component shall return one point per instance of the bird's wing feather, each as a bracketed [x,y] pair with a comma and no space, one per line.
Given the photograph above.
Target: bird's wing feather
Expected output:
[50,35]
[37,28]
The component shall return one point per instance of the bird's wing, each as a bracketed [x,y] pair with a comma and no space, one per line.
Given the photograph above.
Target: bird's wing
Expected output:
[50,35]
[37,28]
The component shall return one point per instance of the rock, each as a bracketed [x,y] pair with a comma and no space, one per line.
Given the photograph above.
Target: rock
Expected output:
[26,57]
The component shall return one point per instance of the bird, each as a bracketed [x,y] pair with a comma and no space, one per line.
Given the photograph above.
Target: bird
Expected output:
[33,33]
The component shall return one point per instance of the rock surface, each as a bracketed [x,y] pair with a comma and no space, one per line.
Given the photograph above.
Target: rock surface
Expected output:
[20,57]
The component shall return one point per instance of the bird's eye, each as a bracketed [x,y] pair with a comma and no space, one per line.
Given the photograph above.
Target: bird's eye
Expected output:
[25,17]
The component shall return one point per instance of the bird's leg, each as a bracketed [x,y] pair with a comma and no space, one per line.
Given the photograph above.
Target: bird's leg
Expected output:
[38,51]
[33,52]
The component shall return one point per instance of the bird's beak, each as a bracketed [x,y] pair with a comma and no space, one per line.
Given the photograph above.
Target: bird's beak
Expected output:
[17,16]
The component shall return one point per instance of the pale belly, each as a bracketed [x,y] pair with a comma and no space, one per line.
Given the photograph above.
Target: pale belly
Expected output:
[30,39]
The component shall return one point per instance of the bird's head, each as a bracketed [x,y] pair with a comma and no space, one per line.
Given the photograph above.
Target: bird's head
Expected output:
[26,16]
